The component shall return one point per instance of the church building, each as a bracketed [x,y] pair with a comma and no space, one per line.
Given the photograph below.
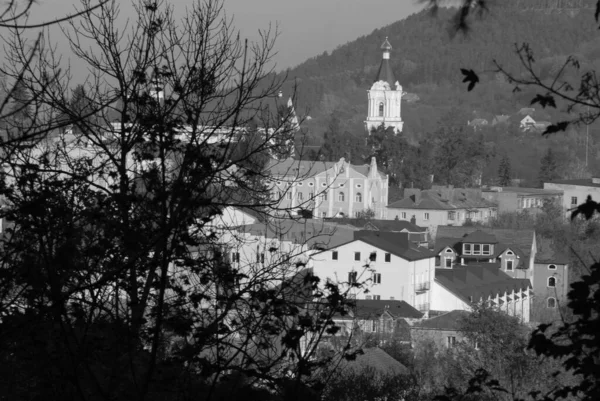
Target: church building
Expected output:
[385,96]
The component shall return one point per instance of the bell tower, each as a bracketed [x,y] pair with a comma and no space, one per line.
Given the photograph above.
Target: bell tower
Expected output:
[385,96]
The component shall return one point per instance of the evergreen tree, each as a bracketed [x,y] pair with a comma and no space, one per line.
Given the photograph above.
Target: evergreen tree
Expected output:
[549,168]
[504,172]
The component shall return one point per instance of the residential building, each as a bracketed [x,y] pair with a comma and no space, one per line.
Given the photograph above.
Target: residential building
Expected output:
[461,287]
[514,252]
[387,318]
[443,330]
[551,281]
[416,234]
[389,266]
[518,199]
[329,189]
[385,96]
[575,192]
[442,206]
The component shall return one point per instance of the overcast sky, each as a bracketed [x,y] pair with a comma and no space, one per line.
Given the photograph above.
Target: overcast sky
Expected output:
[307,27]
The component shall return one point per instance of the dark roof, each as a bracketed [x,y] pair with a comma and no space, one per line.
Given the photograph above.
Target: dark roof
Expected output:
[478,281]
[308,168]
[398,244]
[520,241]
[398,309]
[585,182]
[521,191]
[377,359]
[381,225]
[480,237]
[546,254]
[446,321]
[433,199]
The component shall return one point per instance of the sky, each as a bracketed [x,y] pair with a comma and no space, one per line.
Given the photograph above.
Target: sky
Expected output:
[306,28]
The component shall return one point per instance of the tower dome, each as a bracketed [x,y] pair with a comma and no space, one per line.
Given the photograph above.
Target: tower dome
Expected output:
[385,96]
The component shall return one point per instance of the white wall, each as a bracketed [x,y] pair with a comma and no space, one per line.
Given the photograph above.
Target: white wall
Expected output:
[578,191]
[444,300]
[438,217]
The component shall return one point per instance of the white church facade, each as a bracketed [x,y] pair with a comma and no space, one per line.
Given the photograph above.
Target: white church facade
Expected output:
[385,96]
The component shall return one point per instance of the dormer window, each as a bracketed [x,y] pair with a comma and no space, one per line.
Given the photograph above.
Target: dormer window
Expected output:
[477,249]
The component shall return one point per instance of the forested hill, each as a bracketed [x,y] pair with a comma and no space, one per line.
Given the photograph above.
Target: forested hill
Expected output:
[427,59]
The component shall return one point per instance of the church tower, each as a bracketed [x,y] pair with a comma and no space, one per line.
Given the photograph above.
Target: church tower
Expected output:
[385,96]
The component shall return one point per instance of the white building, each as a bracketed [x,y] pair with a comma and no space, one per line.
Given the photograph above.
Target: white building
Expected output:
[385,96]
[575,192]
[388,264]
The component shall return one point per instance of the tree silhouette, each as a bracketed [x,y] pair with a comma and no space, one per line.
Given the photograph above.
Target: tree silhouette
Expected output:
[549,168]
[504,172]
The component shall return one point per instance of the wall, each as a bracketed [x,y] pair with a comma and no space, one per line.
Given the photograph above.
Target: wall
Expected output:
[439,217]
[444,300]
[540,281]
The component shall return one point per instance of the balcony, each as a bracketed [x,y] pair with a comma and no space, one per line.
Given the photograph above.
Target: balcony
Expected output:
[421,287]
[423,307]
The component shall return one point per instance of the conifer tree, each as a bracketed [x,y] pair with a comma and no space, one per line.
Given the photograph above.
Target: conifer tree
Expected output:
[548,168]
[504,172]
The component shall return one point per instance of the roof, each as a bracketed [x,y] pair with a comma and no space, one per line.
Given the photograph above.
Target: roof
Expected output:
[398,244]
[547,254]
[520,241]
[309,168]
[397,309]
[473,282]
[443,199]
[446,321]
[377,359]
[481,237]
[583,182]
[524,191]
[381,225]
[386,45]
[385,72]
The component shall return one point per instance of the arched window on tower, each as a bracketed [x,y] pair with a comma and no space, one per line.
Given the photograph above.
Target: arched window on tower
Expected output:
[551,302]
[358,197]
[551,282]
[381,109]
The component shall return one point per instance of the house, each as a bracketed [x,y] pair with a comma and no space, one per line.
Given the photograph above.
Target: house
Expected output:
[443,330]
[416,234]
[527,123]
[575,192]
[329,189]
[461,287]
[501,119]
[374,359]
[388,265]
[383,317]
[442,206]
[478,123]
[514,252]
[526,111]
[551,267]
[518,199]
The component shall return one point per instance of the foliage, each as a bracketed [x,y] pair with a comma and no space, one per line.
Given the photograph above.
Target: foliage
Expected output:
[549,168]
[504,172]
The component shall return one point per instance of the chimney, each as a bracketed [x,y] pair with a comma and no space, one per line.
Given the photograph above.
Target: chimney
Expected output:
[413,193]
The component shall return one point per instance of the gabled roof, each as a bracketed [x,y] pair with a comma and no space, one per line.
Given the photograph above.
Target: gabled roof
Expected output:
[520,241]
[366,308]
[380,225]
[302,169]
[433,199]
[583,182]
[479,281]
[398,244]
[446,321]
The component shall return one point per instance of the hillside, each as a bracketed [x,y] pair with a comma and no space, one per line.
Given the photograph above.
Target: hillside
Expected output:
[427,60]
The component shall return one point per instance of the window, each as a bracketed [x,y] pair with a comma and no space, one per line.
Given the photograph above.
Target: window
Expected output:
[380,109]
[323,214]
[300,196]
[324,184]
[341,197]
[509,253]
[509,265]
[311,195]
[551,267]
[551,302]
[476,249]
[551,282]
[373,257]
[376,278]
[573,201]
[451,215]
[334,255]
[356,255]
[356,214]
[358,197]
[467,249]
[311,184]
[300,184]
[235,257]
[323,196]
[358,185]
[377,297]
[403,214]
[451,341]
[352,277]
[368,297]
[388,257]
[392,298]
[486,249]
[425,216]
[448,262]
[289,195]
